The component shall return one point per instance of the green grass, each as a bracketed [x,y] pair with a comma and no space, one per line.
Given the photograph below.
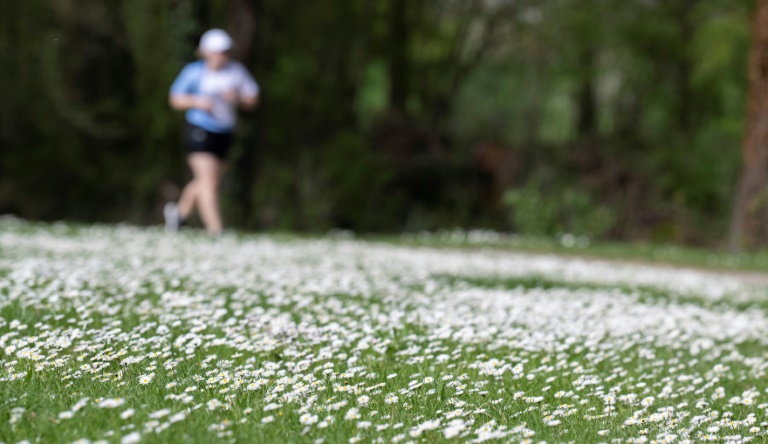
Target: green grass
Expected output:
[645,294]
[283,333]
[640,251]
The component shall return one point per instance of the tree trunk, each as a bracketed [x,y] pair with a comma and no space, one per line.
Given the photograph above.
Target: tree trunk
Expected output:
[683,66]
[243,15]
[586,124]
[749,225]
[399,66]
[242,24]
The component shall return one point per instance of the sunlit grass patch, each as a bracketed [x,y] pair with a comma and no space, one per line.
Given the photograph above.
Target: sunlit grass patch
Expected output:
[119,334]
[647,294]
[580,246]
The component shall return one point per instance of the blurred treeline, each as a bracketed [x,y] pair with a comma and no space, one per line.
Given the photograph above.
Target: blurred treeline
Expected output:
[618,118]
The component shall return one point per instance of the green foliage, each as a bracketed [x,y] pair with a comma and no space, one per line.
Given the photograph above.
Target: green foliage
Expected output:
[365,102]
[533,212]
[222,343]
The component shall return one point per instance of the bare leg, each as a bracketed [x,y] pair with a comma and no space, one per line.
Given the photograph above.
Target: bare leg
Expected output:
[187,200]
[207,170]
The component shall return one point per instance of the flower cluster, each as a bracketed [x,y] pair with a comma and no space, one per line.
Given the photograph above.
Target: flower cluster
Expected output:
[183,338]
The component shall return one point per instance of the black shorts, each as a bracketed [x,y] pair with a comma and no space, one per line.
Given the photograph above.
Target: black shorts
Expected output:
[199,140]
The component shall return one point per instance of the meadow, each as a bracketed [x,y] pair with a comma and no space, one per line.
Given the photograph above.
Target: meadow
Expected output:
[119,334]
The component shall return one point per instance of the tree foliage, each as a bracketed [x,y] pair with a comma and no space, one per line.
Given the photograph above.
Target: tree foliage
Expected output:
[750,220]
[385,115]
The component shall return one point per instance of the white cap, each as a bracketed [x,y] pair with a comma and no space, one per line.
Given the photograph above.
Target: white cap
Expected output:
[215,40]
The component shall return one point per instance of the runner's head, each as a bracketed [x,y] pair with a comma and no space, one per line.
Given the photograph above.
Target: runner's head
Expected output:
[214,48]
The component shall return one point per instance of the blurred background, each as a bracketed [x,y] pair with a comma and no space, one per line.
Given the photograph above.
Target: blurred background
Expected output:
[610,119]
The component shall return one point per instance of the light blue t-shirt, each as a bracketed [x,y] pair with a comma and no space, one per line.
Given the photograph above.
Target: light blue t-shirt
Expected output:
[196,78]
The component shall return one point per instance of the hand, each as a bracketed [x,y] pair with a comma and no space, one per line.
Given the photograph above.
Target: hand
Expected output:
[203,103]
[230,96]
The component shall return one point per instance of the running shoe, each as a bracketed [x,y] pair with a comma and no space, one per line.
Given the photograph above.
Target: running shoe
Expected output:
[172,219]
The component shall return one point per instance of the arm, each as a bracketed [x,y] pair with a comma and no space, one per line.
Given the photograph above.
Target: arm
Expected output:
[183,94]
[183,102]
[246,102]
[248,92]
[249,103]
